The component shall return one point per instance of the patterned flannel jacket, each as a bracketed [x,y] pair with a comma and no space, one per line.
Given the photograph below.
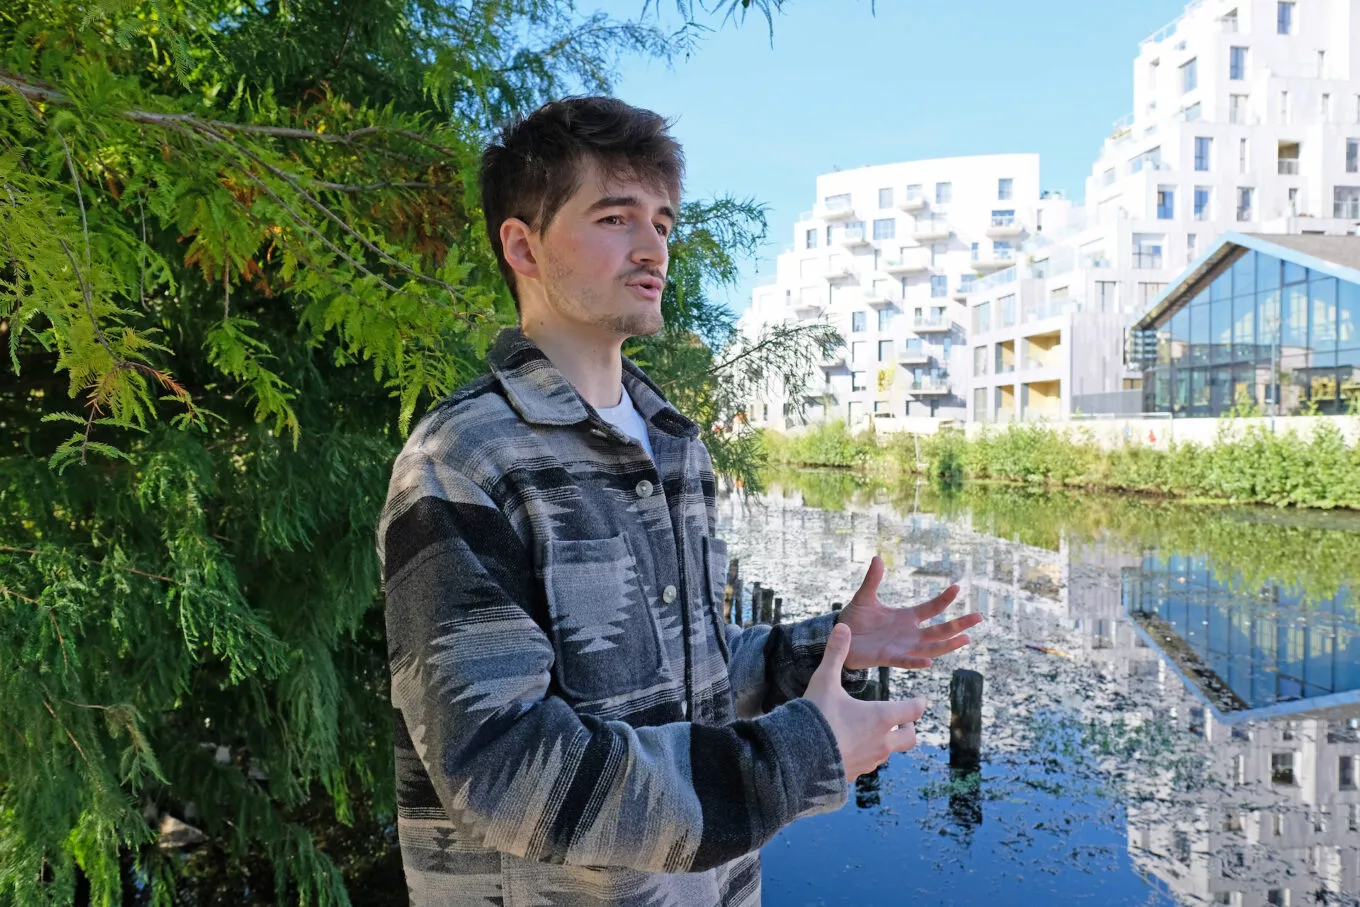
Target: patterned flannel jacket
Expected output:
[575,724]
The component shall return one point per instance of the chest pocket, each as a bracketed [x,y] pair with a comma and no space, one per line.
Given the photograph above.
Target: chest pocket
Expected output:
[604,632]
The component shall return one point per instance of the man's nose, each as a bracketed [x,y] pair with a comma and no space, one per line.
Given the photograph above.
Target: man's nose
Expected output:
[650,248]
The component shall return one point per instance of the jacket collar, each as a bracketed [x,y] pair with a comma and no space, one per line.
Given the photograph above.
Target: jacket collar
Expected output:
[541,395]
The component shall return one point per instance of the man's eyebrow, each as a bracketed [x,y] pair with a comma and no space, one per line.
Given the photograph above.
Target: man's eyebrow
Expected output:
[628,201]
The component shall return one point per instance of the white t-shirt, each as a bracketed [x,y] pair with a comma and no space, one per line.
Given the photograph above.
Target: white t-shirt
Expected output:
[628,420]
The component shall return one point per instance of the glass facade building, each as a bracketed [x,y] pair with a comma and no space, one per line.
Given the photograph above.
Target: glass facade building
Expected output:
[1257,329]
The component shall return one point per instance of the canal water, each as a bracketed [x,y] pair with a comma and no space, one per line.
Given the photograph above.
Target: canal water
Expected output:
[1170,710]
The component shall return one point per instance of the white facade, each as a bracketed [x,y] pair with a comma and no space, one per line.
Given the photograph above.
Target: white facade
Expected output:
[1246,117]
[886,255]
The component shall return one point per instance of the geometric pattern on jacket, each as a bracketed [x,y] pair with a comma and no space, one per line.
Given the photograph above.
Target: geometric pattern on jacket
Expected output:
[576,725]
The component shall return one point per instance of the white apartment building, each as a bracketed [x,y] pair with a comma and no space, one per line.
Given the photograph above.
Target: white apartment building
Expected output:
[887,255]
[1246,117]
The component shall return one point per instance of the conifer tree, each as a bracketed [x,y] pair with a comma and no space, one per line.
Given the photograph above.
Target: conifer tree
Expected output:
[240,252]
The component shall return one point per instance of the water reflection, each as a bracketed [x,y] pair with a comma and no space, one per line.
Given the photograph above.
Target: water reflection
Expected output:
[1177,681]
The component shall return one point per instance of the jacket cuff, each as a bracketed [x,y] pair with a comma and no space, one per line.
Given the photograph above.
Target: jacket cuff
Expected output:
[811,769]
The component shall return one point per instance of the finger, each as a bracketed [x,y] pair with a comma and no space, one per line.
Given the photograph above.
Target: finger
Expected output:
[902,739]
[833,658]
[937,605]
[943,647]
[913,662]
[906,711]
[872,577]
[949,628]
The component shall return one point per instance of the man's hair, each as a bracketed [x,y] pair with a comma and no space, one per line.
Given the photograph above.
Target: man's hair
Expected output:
[537,162]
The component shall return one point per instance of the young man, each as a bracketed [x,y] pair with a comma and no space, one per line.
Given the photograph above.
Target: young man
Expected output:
[575,724]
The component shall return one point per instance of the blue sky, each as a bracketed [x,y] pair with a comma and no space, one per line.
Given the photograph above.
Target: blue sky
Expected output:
[843,87]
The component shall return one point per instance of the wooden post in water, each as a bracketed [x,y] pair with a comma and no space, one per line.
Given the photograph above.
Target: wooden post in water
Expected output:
[736,604]
[778,611]
[757,596]
[883,683]
[965,719]
[835,606]
[730,590]
[767,608]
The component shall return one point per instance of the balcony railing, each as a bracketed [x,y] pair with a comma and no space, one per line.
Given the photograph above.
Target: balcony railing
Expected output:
[931,322]
[1288,166]
[1348,208]
[1143,259]
[1003,220]
[929,384]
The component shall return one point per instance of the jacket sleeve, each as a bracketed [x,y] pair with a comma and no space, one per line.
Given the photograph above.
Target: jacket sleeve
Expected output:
[771,666]
[515,767]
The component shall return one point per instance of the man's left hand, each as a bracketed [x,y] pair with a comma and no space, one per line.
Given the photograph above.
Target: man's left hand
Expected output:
[895,637]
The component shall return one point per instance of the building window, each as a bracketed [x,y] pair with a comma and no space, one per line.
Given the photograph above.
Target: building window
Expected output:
[857,322]
[1346,202]
[980,407]
[1284,107]
[1202,202]
[885,197]
[982,318]
[1191,246]
[828,234]
[812,238]
[1006,307]
[944,193]
[915,193]
[1003,217]
[1242,157]
[885,351]
[1325,108]
[1284,17]
[1149,291]
[885,228]
[979,360]
[1147,251]
[1281,768]
[1345,773]
[939,286]
[1237,109]
[1237,63]
[1353,155]
[859,353]
[1189,75]
[1244,199]
[885,317]
[859,381]
[1203,147]
[1166,203]
[1005,188]
[1107,294]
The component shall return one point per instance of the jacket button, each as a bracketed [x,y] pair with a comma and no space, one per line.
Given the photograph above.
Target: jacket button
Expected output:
[668,594]
[644,489]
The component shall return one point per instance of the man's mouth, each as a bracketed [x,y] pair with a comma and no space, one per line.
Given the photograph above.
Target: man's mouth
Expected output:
[649,283]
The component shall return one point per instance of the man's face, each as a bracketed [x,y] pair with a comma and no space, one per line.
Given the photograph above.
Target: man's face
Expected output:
[604,256]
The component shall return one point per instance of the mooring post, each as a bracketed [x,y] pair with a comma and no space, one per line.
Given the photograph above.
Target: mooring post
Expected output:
[965,719]
[778,611]
[736,604]
[883,683]
[835,606]
[767,608]
[757,595]
[729,591]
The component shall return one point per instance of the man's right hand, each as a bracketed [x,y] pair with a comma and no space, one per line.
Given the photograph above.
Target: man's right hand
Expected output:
[866,732]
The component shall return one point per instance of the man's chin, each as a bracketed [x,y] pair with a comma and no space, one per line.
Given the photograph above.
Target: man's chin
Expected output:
[637,324]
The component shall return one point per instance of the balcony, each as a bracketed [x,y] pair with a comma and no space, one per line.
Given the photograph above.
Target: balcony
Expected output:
[823,394]
[835,208]
[991,260]
[853,235]
[913,202]
[1287,166]
[906,261]
[928,385]
[879,299]
[964,287]
[1004,227]
[927,229]
[1145,259]
[914,354]
[833,362]
[806,309]
[839,268]
[1347,208]
[933,323]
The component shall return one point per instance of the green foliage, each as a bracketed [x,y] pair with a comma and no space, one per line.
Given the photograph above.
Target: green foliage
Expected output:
[240,251]
[825,444]
[1246,463]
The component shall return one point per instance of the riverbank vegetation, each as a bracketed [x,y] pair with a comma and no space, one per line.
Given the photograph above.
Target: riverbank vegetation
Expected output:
[1246,463]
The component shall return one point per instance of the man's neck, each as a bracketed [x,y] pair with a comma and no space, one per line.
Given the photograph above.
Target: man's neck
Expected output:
[590,360]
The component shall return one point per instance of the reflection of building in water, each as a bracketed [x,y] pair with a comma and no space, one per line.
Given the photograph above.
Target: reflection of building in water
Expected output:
[1259,677]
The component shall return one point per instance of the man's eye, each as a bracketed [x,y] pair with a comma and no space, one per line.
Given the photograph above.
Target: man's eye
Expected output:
[663,229]
[611,219]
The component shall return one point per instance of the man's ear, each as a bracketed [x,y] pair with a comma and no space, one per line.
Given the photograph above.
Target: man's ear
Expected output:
[518,247]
